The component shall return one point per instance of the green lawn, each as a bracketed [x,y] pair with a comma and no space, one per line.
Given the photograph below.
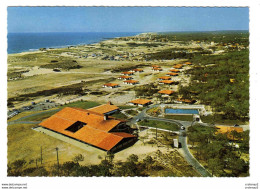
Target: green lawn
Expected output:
[180,117]
[132,112]
[160,124]
[119,115]
[82,104]
[41,116]
[126,107]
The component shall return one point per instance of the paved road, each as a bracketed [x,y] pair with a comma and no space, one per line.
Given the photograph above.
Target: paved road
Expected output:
[182,139]
[20,120]
[190,158]
[23,122]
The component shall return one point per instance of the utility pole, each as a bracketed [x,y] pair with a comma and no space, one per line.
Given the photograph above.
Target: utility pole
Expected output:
[36,163]
[57,150]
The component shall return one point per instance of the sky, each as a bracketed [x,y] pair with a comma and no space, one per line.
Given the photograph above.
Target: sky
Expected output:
[126,19]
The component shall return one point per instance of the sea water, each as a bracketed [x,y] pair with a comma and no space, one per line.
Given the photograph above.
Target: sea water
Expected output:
[23,42]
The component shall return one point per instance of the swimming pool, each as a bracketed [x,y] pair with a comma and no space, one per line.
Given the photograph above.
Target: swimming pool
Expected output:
[181,111]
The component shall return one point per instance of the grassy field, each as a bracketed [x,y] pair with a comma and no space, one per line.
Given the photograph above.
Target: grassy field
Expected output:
[126,107]
[25,143]
[132,112]
[40,117]
[180,117]
[160,124]
[119,115]
[82,104]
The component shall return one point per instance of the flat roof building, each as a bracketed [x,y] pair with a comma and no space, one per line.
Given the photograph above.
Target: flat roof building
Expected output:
[164,78]
[140,102]
[174,70]
[169,82]
[157,69]
[138,70]
[125,77]
[172,74]
[166,92]
[128,73]
[131,82]
[110,85]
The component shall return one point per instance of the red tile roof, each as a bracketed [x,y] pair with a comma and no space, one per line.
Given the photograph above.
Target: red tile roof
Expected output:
[111,84]
[174,70]
[166,81]
[165,78]
[172,74]
[127,73]
[140,101]
[105,108]
[178,66]
[168,92]
[137,70]
[124,77]
[95,132]
[131,81]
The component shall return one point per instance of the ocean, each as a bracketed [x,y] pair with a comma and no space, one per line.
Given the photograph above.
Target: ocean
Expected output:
[23,42]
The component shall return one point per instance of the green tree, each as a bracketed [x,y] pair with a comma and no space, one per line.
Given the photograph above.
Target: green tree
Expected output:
[78,158]
[132,158]
[215,165]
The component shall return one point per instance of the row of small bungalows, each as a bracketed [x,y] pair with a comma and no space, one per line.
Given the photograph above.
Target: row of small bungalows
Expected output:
[126,77]
[115,85]
[156,68]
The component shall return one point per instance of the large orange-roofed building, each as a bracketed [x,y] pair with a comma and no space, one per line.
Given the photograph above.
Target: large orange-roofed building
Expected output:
[93,126]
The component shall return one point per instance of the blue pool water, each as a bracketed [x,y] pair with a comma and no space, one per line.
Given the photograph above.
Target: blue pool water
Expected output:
[181,111]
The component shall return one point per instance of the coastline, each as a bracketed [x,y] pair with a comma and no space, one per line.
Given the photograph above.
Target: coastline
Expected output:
[51,47]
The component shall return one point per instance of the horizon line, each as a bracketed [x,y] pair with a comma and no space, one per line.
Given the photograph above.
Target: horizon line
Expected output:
[130,31]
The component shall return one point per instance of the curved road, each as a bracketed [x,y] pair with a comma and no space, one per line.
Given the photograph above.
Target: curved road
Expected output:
[182,139]
[20,120]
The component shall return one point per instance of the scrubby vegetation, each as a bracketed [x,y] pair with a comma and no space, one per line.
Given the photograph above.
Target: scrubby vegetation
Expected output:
[64,64]
[218,153]
[169,164]
[73,89]
[221,81]
[146,90]
[240,37]
[169,54]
